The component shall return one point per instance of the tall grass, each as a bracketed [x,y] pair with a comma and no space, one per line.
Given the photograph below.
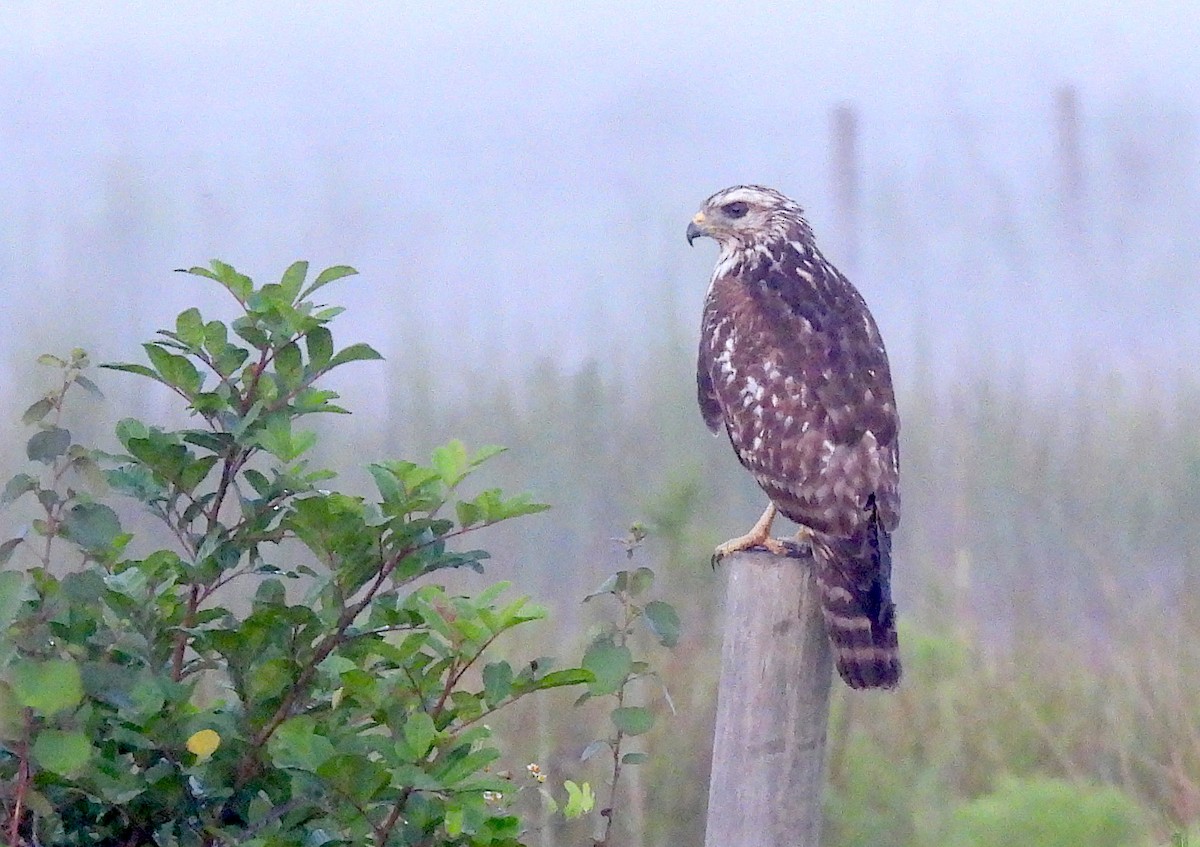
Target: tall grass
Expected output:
[1047,565]
[1047,571]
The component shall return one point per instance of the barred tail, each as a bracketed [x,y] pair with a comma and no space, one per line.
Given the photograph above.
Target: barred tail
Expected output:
[855,581]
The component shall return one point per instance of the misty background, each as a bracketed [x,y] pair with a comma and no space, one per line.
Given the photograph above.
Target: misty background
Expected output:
[513,178]
[1015,188]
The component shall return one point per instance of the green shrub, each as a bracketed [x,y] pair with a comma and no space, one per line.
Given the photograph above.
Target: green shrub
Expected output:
[277,675]
[1048,813]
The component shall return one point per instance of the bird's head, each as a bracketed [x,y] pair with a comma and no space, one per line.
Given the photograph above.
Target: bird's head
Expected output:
[745,215]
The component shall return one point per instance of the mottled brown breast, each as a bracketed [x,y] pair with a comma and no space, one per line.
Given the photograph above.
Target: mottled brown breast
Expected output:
[792,365]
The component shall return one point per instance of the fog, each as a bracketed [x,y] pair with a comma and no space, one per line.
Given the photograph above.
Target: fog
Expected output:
[513,180]
[1019,203]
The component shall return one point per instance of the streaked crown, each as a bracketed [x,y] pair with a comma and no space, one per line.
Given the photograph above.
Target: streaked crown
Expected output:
[745,216]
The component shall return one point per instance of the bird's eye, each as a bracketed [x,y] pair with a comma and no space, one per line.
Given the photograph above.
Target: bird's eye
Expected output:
[735,210]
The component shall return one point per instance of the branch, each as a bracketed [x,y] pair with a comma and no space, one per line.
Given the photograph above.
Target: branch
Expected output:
[326,646]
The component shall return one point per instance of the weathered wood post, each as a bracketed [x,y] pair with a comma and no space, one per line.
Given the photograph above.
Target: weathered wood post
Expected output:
[768,760]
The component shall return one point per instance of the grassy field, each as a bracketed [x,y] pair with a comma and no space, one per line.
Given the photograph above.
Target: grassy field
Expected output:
[1047,579]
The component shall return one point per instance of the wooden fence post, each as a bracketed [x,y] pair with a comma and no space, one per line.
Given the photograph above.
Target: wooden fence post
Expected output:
[768,762]
[845,168]
[1068,155]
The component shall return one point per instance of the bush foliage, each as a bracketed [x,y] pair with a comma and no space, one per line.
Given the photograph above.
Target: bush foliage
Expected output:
[277,676]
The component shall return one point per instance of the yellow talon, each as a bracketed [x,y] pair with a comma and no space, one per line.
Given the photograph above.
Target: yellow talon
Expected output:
[758,536]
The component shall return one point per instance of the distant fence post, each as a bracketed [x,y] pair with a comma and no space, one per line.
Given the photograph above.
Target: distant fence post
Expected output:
[845,170]
[768,762]
[1069,162]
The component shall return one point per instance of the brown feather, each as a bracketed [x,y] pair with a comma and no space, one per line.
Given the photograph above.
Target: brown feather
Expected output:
[792,365]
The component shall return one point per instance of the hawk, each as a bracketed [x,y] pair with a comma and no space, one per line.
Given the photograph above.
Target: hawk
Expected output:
[793,368]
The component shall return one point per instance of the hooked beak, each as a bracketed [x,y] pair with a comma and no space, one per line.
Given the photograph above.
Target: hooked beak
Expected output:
[696,228]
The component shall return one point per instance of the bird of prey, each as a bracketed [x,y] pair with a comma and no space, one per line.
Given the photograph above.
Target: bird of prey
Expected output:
[793,368]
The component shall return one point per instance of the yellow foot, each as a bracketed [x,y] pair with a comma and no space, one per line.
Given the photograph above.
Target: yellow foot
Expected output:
[758,536]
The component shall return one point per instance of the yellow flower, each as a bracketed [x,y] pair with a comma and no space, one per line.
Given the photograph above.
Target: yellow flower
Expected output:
[204,743]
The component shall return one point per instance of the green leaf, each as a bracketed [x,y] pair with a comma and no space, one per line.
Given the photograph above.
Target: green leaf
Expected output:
[293,280]
[327,276]
[635,758]
[497,681]
[320,347]
[48,445]
[12,593]
[239,285]
[271,678]
[8,548]
[453,821]
[615,584]
[570,676]
[451,462]
[632,720]
[143,697]
[278,439]
[12,715]
[20,484]
[386,482]
[63,753]
[296,744]
[189,326]
[270,593]
[486,452]
[248,329]
[216,337]
[640,581]
[353,353]
[47,687]
[468,513]
[516,507]
[87,385]
[193,473]
[93,526]
[609,663]
[198,271]
[130,428]
[175,370]
[594,748]
[37,411]
[289,364]
[354,776]
[662,620]
[129,367]
[580,799]
[258,481]
[52,360]
[419,733]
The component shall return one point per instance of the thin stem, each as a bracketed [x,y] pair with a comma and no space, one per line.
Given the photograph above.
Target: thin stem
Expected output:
[255,376]
[14,825]
[384,831]
[622,639]
[229,470]
[453,678]
[54,511]
[181,639]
